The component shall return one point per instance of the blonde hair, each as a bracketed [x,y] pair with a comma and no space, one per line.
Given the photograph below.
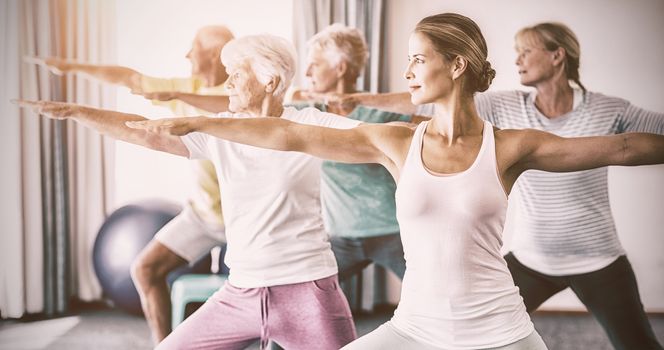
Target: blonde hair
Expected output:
[554,36]
[455,35]
[268,56]
[340,43]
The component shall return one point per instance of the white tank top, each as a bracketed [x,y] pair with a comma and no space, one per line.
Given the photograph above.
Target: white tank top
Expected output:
[457,292]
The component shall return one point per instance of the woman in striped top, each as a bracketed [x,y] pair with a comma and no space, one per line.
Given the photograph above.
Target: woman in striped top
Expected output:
[564,231]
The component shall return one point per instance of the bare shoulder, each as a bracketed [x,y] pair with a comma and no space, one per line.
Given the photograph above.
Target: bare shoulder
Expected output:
[516,146]
[393,140]
[394,131]
[518,136]
[513,144]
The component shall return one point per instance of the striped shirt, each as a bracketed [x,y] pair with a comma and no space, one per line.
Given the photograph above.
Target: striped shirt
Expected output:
[564,224]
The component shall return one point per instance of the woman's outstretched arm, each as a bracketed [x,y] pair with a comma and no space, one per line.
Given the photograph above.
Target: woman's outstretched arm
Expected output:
[548,152]
[109,123]
[367,143]
[210,103]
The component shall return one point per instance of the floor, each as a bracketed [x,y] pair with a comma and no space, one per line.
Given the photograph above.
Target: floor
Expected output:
[111,329]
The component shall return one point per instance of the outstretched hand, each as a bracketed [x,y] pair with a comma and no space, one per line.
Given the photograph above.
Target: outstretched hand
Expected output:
[56,65]
[159,96]
[50,109]
[342,104]
[167,126]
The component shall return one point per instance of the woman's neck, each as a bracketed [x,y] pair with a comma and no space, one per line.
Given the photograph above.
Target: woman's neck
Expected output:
[345,86]
[269,107]
[456,117]
[554,98]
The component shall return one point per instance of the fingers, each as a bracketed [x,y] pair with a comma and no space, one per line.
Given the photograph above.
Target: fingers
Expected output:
[141,125]
[305,95]
[142,93]
[145,125]
[49,109]
[327,97]
[150,125]
[161,96]
[55,65]
[316,96]
[26,103]
[161,127]
[150,95]
[34,60]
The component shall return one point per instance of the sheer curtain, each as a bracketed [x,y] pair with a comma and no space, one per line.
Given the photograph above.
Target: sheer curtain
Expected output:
[57,181]
[310,17]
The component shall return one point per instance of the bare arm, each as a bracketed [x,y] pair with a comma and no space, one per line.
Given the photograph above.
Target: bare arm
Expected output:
[397,102]
[210,103]
[367,143]
[117,75]
[109,123]
[548,152]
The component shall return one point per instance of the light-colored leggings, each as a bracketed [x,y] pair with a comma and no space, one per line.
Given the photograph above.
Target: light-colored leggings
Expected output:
[308,315]
[389,337]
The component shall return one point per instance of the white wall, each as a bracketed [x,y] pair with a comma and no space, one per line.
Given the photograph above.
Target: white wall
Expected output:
[622,55]
[153,37]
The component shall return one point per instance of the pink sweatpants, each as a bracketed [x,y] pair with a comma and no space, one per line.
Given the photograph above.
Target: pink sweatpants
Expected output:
[308,315]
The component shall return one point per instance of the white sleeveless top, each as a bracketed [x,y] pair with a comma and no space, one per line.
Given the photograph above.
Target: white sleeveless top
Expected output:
[457,292]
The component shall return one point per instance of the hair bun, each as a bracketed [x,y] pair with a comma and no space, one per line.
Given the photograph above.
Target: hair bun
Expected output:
[485,77]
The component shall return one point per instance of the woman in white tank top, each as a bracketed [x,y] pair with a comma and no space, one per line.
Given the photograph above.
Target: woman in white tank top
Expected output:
[453,174]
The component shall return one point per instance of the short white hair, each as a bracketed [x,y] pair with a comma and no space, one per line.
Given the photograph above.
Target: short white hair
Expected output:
[341,43]
[268,56]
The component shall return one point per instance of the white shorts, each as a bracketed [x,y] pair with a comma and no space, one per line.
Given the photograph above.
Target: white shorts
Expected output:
[190,237]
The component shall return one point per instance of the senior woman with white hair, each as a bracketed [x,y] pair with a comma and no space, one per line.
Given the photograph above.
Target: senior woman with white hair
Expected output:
[283,281]
[358,199]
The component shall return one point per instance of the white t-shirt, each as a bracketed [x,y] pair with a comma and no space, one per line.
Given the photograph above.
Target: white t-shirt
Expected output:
[272,208]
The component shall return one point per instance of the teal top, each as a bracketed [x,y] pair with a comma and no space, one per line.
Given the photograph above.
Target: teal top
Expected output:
[358,199]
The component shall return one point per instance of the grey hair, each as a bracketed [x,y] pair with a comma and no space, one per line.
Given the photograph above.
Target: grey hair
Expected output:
[268,56]
[341,43]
